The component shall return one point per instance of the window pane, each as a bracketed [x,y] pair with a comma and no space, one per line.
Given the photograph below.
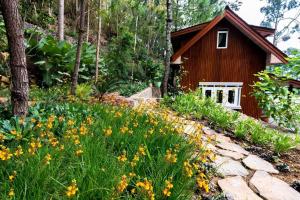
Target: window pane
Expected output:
[219,96]
[208,93]
[231,94]
[222,39]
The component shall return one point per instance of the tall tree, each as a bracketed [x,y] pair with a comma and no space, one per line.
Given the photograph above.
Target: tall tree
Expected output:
[98,41]
[61,10]
[275,14]
[168,47]
[81,31]
[88,21]
[19,76]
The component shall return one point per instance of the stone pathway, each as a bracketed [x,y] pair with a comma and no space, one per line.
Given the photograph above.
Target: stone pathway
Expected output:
[235,166]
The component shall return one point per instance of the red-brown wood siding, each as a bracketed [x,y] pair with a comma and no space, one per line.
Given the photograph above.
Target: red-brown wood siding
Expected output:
[203,62]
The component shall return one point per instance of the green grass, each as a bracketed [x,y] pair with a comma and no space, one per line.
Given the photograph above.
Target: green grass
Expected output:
[97,171]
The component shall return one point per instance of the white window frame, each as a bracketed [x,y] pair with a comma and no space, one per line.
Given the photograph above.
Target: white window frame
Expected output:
[218,35]
[225,87]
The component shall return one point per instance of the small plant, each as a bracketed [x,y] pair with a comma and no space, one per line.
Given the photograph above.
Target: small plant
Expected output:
[83,91]
[283,143]
[241,129]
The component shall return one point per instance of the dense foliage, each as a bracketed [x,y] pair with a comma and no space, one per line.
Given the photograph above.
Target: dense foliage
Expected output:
[193,105]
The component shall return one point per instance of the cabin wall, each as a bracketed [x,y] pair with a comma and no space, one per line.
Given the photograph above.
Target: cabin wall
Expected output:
[203,62]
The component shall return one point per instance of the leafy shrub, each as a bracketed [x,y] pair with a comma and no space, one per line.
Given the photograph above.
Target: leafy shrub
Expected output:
[276,100]
[283,143]
[129,88]
[55,59]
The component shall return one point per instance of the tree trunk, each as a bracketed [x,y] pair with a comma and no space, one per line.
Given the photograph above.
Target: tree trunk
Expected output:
[81,31]
[19,76]
[88,22]
[168,48]
[98,43]
[61,20]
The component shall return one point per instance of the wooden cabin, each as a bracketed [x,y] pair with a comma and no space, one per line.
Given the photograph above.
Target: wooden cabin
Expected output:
[222,56]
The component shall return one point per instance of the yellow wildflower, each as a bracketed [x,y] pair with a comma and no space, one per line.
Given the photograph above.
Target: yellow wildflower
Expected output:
[188,169]
[79,152]
[19,151]
[89,120]
[2,137]
[147,188]
[142,150]
[12,176]
[47,159]
[202,182]
[72,189]
[5,153]
[122,157]
[71,122]
[168,187]
[61,147]
[107,132]
[123,184]
[33,146]
[11,193]
[124,129]
[82,130]
[170,156]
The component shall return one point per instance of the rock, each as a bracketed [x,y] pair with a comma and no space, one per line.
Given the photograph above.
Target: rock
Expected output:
[228,167]
[232,147]
[189,129]
[235,188]
[256,163]
[296,185]
[222,138]
[209,131]
[231,154]
[283,167]
[272,188]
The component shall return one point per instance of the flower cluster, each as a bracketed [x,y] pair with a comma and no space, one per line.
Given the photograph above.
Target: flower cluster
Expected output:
[170,156]
[122,184]
[168,187]
[147,188]
[72,189]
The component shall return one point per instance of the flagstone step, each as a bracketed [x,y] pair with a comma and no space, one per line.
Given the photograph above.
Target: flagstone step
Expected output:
[256,163]
[228,167]
[235,188]
[272,188]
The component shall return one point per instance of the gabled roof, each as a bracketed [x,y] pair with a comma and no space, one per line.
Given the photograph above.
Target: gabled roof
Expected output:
[240,24]
[264,31]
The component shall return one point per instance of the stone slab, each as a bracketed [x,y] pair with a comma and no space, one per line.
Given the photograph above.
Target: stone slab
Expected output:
[272,188]
[232,147]
[235,188]
[230,154]
[256,163]
[228,167]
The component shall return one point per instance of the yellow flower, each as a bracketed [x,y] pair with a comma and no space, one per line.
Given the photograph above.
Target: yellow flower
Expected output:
[61,147]
[202,182]
[72,189]
[170,156]
[135,159]
[61,118]
[11,193]
[122,184]
[89,120]
[147,188]
[2,137]
[188,169]
[142,150]
[124,129]
[12,177]
[71,122]
[5,153]
[79,152]
[107,132]
[118,114]
[132,174]
[13,132]
[122,157]
[82,130]
[32,120]
[53,141]
[19,151]
[33,146]
[47,159]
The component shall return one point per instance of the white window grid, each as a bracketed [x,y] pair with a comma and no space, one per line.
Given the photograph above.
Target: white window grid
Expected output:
[225,87]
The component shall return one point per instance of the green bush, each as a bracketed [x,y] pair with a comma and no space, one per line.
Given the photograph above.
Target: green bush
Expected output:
[56,59]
